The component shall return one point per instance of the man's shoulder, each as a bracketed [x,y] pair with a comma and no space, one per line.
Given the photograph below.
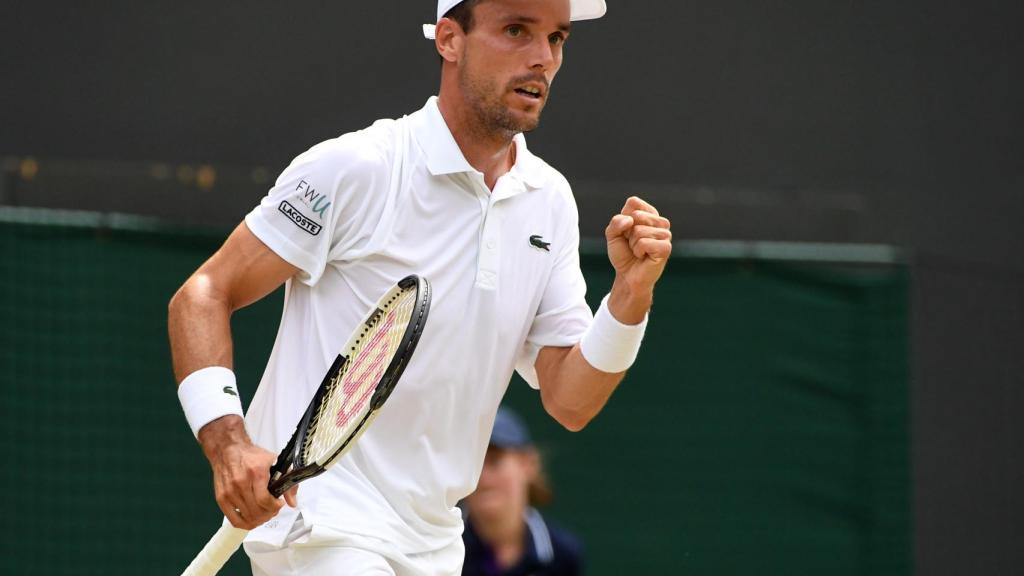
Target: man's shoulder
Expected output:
[365,151]
[556,192]
[541,171]
[549,187]
[558,180]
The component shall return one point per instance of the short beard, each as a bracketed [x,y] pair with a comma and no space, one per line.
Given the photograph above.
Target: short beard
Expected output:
[492,116]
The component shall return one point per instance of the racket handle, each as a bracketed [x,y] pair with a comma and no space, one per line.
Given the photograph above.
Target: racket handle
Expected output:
[216,552]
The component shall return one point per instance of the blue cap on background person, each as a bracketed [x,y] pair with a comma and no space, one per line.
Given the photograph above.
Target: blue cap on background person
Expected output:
[510,431]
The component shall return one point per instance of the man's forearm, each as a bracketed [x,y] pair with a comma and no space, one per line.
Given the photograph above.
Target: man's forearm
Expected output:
[572,390]
[199,327]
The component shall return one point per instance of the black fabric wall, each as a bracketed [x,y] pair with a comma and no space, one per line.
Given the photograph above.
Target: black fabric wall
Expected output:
[884,122]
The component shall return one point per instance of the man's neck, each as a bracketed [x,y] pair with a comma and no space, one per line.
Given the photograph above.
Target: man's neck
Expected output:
[490,153]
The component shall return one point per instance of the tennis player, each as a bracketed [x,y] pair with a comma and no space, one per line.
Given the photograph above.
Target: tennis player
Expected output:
[452,193]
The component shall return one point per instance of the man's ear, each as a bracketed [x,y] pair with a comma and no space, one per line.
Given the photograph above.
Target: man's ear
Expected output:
[449,39]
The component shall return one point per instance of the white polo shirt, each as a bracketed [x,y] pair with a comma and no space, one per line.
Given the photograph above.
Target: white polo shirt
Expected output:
[358,213]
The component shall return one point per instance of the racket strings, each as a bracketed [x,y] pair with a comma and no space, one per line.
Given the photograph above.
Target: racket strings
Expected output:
[347,396]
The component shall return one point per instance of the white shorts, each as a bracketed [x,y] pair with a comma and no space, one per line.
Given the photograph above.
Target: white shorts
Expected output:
[318,551]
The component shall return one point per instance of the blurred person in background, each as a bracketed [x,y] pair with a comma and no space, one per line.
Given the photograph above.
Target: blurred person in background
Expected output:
[505,535]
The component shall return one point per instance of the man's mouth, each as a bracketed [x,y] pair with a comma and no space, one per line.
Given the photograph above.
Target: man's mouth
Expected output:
[531,92]
[535,92]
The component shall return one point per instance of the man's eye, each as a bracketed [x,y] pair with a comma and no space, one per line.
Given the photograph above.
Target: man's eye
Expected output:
[557,39]
[514,31]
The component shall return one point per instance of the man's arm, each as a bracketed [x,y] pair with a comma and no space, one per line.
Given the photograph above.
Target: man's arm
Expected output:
[639,245]
[241,272]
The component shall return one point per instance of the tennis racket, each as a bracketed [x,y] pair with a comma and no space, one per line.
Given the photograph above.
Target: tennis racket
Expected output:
[349,398]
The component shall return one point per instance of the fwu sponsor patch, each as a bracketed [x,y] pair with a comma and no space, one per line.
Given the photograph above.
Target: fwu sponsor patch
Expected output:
[299,218]
[310,197]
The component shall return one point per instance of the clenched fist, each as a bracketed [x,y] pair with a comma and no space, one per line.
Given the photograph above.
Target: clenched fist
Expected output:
[639,246]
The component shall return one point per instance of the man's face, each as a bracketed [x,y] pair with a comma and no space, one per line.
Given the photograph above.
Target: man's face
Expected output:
[512,53]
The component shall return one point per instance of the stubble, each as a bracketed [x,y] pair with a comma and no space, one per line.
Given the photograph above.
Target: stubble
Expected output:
[493,117]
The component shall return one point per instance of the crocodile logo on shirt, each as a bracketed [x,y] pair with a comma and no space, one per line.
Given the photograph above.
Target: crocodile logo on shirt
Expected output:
[538,241]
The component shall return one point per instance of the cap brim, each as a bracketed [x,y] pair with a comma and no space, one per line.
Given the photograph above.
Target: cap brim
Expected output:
[588,9]
[580,10]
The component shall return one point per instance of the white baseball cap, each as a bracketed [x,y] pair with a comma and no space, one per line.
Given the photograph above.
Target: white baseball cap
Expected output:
[580,10]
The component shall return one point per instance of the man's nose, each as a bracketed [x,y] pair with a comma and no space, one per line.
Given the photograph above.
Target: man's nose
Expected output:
[543,55]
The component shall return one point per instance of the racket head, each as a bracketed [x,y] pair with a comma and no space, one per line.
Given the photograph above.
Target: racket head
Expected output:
[357,384]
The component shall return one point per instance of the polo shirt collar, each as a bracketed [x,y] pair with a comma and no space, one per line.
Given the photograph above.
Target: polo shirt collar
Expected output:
[528,167]
[445,157]
[439,146]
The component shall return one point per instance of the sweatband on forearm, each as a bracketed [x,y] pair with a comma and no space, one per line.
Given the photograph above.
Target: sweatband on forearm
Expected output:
[609,345]
[208,394]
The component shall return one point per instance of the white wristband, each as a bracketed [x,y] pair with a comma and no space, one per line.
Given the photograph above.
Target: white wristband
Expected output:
[609,345]
[208,394]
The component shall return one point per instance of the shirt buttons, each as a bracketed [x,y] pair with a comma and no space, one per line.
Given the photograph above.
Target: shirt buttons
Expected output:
[491,244]
[487,279]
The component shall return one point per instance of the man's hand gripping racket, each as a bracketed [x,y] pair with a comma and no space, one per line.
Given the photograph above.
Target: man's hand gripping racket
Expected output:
[349,398]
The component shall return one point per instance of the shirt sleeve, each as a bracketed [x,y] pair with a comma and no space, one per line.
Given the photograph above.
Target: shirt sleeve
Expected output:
[563,315]
[312,214]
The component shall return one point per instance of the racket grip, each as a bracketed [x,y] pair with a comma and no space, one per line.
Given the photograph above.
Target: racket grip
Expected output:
[216,552]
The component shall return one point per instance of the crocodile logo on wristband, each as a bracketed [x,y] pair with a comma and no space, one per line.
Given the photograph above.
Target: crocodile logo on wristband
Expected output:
[230,390]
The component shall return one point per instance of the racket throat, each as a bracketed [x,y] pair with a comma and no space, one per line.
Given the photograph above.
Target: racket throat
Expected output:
[282,482]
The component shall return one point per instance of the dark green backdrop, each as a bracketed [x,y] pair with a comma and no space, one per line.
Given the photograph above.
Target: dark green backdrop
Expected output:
[762,431]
